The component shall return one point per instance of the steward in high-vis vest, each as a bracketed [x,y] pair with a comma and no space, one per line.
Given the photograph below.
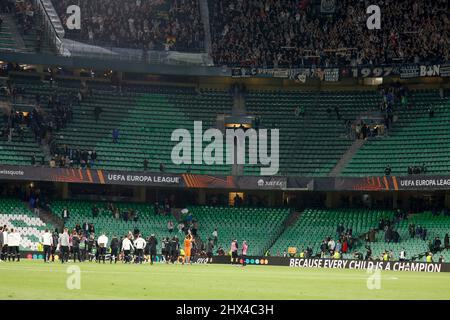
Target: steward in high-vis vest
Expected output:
[429,257]
[337,255]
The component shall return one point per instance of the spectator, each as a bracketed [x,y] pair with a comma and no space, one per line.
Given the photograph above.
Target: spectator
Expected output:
[215,236]
[115,135]
[95,211]
[431,111]
[65,214]
[97,112]
[411,230]
[170,226]
[437,244]
[387,170]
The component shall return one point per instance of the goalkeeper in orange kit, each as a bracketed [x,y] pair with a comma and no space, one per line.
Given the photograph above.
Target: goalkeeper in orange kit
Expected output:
[187,248]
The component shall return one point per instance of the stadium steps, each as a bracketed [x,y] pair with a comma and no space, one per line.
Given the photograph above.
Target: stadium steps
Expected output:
[290,220]
[204,13]
[346,158]
[414,139]
[311,145]
[10,38]
[51,219]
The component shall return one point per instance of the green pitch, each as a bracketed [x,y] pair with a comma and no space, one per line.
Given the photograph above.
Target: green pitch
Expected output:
[36,280]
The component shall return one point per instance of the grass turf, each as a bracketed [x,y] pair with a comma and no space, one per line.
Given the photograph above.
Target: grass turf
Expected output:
[36,280]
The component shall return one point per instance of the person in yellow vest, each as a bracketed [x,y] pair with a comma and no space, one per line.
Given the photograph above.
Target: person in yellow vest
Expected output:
[337,255]
[385,256]
[429,257]
[302,254]
[181,256]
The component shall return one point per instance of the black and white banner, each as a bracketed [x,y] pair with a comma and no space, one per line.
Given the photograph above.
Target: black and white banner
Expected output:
[400,266]
[445,70]
[335,74]
[331,75]
[409,71]
[430,71]
[243,72]
[411,266]
[374,72]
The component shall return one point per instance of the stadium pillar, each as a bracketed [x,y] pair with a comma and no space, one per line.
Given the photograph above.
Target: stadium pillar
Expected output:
[332,200]
[395,200]
[65,190]
[201,196]
[140,194]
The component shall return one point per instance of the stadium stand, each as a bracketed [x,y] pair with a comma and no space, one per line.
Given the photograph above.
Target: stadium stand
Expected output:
[155,25]
[312,144]
[436,226]
[7,40]
[257,226]
[21,29]
[295,33]
[15,214]
[415,139]
[20,148]
[151,111]
[314,225]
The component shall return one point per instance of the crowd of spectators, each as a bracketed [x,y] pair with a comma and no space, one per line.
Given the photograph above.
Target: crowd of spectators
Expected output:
[287,33]
[42,123]
[25,15]
[66,157]
[138,24]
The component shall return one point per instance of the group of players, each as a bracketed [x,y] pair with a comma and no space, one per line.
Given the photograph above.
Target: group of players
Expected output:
[132,248]
[9,244]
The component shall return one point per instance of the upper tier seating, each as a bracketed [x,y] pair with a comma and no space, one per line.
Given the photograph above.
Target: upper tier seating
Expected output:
[146,117]
[310,145]
[416,138]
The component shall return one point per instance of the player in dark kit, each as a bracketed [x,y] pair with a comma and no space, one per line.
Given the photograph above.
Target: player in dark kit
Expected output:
[172,249]
[167,251]
[153,243]
[76,247]
[55,239]
[164,247]
[209,249]
[90,247]
[83,247]
[114,246]
[147,251]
